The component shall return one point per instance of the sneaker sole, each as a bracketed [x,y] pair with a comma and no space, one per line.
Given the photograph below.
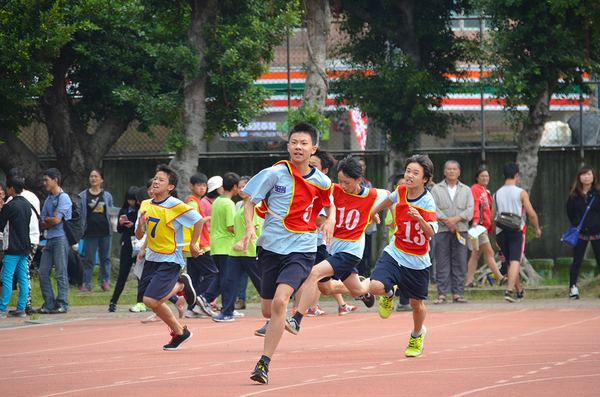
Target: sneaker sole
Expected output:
[259,378]
[290,329]
[510,299]
[189,300]
[175,348]
[199,303]
[259,334]
[422,346]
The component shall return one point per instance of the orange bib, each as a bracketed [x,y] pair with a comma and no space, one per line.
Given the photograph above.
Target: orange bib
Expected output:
[353,213]
[409,237]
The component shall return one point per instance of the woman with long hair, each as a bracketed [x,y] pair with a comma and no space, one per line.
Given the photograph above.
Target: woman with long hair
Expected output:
[584,190]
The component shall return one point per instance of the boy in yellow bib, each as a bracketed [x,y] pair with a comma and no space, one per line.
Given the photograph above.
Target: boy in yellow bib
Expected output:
[163,219]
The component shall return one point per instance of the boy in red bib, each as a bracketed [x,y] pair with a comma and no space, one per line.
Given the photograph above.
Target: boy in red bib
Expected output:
[292,194]
[405,261]
[353,204]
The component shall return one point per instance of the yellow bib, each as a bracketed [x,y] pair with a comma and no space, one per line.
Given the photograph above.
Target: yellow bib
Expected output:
[159,230]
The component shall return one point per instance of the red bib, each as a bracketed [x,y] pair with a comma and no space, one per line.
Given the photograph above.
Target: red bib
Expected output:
[205,235]
[353,213]
[307,201]
[409,237]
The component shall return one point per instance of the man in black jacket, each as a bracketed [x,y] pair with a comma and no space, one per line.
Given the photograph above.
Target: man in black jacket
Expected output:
[16,213]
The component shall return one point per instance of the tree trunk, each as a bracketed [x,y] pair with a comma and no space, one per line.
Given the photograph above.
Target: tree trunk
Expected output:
[527,273]
[528,141]
[194,110]
[316,87]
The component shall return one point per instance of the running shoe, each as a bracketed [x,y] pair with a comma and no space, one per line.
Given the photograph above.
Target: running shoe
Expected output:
[223,318]
[152,319]
[83,289]
[188,289]
[386,306]
[17,313]
[191,314]
[415,345]
[180,305]
[237,314]
[112,307]
[316,312]
[203,306]
[503,281]
[508,296]
[178,340]
[574,293]
[403,308]
[291,325]
[368,299]
[240,305]
[260,373]
[521,295]
[2,314]
[347,308]
[262,331]
[138,308]
[105,287]
[58,310]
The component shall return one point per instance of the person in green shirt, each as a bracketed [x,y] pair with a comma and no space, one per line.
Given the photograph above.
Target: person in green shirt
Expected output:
[239,261]
[221,241]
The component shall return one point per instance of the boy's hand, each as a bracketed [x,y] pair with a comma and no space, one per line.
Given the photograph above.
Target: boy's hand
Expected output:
[250,236]
[375,218]
[327,229]
[239,246]
[143,219]
[140,256]
[195,251]
[414,213]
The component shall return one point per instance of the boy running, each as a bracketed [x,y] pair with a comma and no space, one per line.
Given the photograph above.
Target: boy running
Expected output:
[353,204]
[293,193]
[405,261]
[164,217]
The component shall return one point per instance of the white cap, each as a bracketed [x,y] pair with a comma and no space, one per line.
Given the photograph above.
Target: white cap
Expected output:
[214,183]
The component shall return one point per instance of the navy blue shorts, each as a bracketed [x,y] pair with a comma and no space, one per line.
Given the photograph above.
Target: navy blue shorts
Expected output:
[322,255]
[291,269]
[511,245]
[412,283]
[159,278]
[343,264]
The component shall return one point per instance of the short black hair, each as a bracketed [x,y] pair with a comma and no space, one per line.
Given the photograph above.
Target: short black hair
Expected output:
[479,171]
[350,167]
[53,173]
[98,171]
[149,183]
[510,170]
[396,177]
[130,195]
[16,183]
[141,194]
[213,195]
[13,172]
[425,162]
[327,160]
[308,129]
[171,173]
[198,178]
[230,180]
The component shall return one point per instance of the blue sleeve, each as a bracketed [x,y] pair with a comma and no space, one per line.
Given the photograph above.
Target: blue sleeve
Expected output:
[259,186]
[394,196]
[64,206]
[188,219]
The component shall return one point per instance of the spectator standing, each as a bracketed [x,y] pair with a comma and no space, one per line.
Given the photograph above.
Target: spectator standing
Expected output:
[584,190]
[482,213]
[454,209]
[512,199]
[57,208]
[127,219]
[93,205]
[221,241]
[17,214]
[34,228]
[214,190]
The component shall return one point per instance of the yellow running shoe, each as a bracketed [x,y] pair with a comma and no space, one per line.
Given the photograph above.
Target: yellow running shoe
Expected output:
[415,345]
[386,306]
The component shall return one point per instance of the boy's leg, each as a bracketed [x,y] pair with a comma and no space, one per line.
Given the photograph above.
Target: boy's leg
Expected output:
[45,272]
[231,284]
[193,270]
[163,311]
[21,275]
[311,287]
[355,286]
[419,314]
[208,272]
[61,257]
[9,264]
[277,314]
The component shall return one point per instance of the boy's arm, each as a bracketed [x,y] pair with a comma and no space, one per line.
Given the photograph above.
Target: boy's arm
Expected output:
[194,250]
[142,220]
[531,213]
[250,228]
[328,225]
[386,203]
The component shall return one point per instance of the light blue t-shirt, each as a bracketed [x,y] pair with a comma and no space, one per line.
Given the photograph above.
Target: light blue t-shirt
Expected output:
[61,203]
[356,248]
[187,220]
[278,184]
[426,202]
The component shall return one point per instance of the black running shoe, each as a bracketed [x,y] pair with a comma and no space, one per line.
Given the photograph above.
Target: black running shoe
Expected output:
[291,325]
[17,313]
[521,295]
[178,340]
[260,373]
[58,310]
[262,331]
[188,289]
[112,307]
[368,299]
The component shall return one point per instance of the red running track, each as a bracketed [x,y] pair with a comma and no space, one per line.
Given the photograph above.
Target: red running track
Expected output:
[480,353]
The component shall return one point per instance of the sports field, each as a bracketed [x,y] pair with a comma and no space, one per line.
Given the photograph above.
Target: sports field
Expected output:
[487,348]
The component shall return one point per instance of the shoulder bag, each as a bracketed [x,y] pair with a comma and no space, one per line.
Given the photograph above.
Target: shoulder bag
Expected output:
[571,237]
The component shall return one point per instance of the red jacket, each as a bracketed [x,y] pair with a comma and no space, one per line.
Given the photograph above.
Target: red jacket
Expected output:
[483,200]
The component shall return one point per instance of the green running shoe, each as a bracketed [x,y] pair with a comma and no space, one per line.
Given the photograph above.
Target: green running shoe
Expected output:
[386,305]
[415,345]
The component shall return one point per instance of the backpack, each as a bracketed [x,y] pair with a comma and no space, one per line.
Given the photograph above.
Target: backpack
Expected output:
[74,227]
